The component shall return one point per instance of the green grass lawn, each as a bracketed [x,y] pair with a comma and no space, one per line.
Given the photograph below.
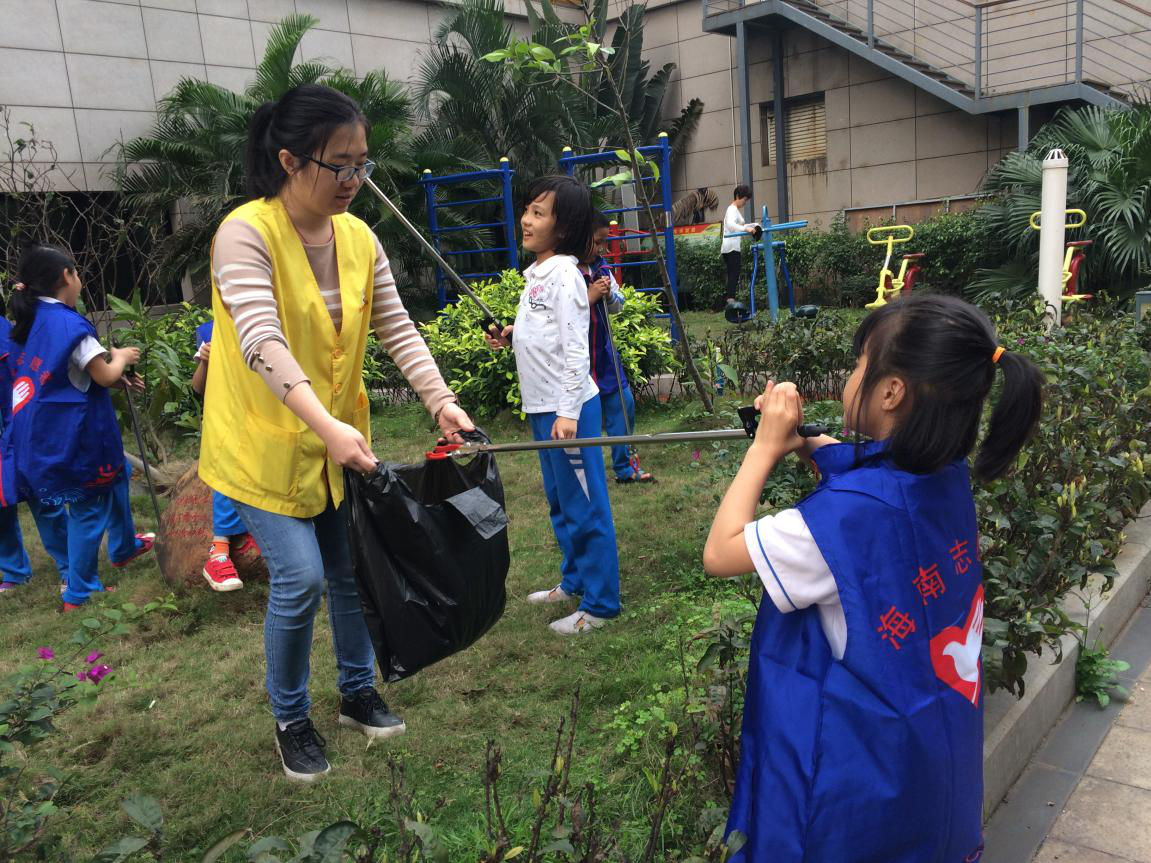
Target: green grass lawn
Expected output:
[187,721]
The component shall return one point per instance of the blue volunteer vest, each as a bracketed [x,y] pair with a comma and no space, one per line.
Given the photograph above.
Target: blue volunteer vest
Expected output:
[8,495]
[878,757]
[67,442]
[203,333]
[603,358]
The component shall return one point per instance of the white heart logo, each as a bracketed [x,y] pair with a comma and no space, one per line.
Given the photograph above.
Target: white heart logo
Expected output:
[22,391]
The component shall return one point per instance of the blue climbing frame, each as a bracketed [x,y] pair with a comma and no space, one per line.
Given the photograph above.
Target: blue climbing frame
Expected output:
[569,162]
[766,246]
[503,174]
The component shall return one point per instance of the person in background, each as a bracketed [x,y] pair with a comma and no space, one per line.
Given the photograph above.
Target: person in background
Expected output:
[617,404]
[731,247]
[227,527]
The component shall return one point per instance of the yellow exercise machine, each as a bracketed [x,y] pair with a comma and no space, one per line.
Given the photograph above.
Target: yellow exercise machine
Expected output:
[1073,257]
[891,284]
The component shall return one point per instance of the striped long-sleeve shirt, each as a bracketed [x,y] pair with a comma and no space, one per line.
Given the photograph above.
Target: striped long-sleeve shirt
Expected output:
[243,269]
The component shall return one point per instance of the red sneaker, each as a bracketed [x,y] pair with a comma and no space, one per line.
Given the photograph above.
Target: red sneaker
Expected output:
[146,540]
[221,575]
[68,606]
[248,544]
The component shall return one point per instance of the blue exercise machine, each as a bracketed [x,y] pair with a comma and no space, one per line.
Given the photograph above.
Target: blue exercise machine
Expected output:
[765,246]
[502,177]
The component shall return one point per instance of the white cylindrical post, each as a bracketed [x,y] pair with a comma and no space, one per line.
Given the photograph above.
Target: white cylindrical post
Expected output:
[1053,218]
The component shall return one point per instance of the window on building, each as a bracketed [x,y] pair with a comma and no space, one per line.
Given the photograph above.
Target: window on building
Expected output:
[806,136]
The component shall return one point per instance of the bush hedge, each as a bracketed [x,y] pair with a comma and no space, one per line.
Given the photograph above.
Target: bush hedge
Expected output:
[838,267]
[485,380]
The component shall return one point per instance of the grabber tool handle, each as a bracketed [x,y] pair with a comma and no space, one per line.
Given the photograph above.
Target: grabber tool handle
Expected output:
[749,417]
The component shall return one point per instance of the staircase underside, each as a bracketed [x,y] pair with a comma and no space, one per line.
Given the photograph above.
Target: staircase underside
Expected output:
[801,13]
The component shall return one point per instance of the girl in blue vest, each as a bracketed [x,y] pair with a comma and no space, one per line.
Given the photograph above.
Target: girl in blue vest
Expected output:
[563,402]
[15,569]
[863,723]
[615,398]
[68,450]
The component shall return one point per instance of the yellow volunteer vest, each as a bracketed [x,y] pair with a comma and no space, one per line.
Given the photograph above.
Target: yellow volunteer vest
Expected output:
[254,449]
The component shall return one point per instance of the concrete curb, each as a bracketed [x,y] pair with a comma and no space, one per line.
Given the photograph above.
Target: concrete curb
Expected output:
[1015,728]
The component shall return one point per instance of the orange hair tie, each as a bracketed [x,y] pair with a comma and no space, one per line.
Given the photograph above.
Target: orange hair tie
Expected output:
[998,353]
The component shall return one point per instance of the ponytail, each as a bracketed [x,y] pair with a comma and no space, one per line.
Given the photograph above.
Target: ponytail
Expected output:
[262,168]
[301,122]
[947,353]
[41,271]
[1014,417]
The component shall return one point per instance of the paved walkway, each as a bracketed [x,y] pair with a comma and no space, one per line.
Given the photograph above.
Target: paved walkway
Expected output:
[1086,795]
[1108,817]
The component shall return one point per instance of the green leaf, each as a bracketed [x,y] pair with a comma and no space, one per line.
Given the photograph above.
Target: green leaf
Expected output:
[145,811]
[496,56]
[126,848]
[624,156]
[333,839]
[542,52]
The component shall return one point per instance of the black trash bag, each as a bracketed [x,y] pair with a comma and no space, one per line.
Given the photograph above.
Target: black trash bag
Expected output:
[430,549]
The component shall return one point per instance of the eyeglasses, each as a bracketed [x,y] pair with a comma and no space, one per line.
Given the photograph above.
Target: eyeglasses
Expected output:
[344,173]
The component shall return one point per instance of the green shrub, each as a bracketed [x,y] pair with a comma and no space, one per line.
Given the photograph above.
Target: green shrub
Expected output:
[485,380]
[1058,516]
[840,268]
[167,345]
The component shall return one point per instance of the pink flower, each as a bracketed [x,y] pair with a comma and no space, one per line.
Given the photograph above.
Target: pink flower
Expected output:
[93,656]
[98,672]
[695,455]
[1022,341]
[46,653]
[80,675]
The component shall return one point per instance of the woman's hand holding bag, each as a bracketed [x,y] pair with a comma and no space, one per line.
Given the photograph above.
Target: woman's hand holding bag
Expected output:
[347,447]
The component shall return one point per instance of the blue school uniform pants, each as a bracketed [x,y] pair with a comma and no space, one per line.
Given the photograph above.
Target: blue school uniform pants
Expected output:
[225,520]
[576,489]
[615,422]
[73,540]
[122,542]
[15,567]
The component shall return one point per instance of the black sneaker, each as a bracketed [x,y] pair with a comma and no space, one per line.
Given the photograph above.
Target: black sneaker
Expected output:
[301,750]
[367,712]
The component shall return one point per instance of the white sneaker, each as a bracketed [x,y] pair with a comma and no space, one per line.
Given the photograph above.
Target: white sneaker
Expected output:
[556,594]
[577,623]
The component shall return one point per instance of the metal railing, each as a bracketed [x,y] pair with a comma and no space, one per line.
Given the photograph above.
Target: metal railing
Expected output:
[997,47]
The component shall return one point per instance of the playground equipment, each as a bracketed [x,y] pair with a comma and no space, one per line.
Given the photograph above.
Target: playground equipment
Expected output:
[764,245]
[890,283]
[619,253]
[503,177]
[1073,257]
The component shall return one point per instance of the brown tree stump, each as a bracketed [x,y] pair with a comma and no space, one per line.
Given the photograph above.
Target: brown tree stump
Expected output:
[186,529]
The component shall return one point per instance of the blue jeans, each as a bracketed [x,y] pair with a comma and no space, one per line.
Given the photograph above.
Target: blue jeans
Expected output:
[615,423]
[74,539]
[302,554]
[576,489]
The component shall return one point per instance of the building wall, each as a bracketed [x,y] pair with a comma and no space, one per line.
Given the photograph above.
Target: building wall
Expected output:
[88,73]
[887,141]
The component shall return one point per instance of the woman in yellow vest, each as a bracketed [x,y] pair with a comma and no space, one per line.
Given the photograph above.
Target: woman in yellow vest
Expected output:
[297,283]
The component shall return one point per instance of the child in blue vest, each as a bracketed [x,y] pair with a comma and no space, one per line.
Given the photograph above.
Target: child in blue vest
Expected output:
[15,568]
[616,402]
[562,401]
[863,720]
[67,445]
[219,571]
